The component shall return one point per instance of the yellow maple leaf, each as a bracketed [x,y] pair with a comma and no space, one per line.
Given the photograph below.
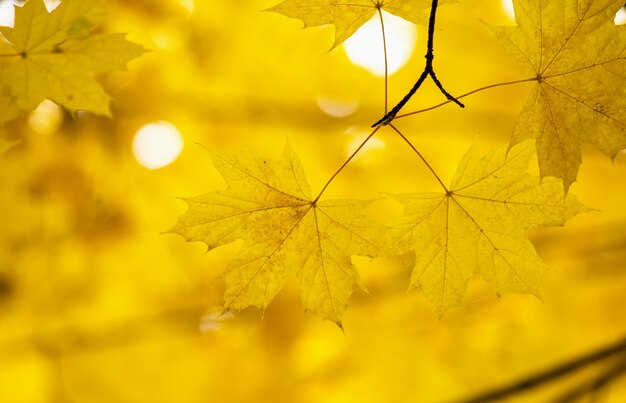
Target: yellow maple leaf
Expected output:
[53,56]
[579,58]
[285,232]
[478,226]
[347,16]
[8,108]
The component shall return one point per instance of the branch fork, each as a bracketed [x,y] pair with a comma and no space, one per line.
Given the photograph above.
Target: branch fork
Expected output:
[429,71]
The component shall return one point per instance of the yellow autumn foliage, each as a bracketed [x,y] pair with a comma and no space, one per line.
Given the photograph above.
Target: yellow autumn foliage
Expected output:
[99,302]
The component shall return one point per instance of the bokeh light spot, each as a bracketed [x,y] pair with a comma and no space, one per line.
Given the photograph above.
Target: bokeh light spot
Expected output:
[157,145]
[47,118]
[167,38]
[620,17]
[188,5]
[213,322]
[509,10]
[7,12]
[369,152]
[365,47]
[51,4]
[338,108]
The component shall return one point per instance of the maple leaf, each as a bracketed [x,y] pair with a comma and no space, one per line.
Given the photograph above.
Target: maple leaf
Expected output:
[478,226]
[579,58]
[8,108]
[285,232]
[54,56]
[347,16]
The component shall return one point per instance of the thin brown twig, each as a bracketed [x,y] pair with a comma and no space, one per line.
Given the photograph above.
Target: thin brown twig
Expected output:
[382,27]
[466,95]
[429,71]
[332,178]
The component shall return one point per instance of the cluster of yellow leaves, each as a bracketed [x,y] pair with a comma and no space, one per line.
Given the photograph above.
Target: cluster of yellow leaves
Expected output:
[579,58]
[88,286]
[475,227]
[55,56]
[572,48]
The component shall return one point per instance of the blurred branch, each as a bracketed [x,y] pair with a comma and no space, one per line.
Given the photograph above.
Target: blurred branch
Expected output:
[595,386]
[552,374]
[68,340]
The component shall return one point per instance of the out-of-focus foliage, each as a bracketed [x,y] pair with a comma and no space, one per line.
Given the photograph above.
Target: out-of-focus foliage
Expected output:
[477,227]
[6,145]
[579,58]
[99,306]
[51,55]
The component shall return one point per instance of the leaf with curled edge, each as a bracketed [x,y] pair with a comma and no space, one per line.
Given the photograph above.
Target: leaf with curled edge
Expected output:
[348,16]
[478,227]
[285,232]
[55,56]
[579,58]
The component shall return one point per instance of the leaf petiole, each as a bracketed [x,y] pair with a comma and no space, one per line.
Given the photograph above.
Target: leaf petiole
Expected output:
[467,94]
[382,27]
[445,188]
[359,148]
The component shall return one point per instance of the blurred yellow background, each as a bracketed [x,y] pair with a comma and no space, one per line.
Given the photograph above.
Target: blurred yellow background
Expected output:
[97,304]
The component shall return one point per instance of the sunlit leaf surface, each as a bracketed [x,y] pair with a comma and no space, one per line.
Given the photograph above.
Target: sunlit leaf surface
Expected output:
[579,58]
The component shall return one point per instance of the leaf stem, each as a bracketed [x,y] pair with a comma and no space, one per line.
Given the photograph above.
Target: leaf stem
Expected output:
[467,94]
[332,178]
[421,157]
[382,27]
[429,71]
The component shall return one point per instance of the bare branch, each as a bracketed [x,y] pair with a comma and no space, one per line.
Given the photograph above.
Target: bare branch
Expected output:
[550,375]
[429,71]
